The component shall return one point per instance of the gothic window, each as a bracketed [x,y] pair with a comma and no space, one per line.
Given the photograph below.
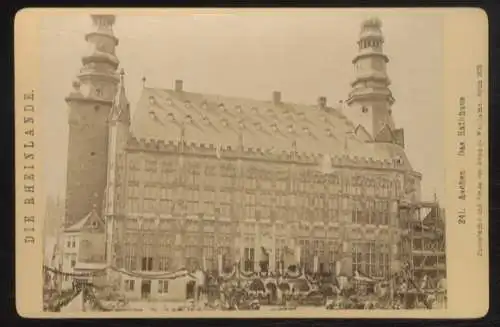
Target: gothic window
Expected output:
[382,209]
[163,286]
[209,251]
[249,259]
[163,263]
[133,171]
[129,285]
[151,170]
[383,261]
[150,196]
[147,264]
[166,199]
[370,259]
[332,248]
[251,183]
[250,205]
[357,215]
[357,257]
[130,259]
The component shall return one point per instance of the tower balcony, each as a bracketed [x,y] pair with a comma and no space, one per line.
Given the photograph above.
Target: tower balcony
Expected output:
[101,57]
[370,52]
[373,76]
[102,33]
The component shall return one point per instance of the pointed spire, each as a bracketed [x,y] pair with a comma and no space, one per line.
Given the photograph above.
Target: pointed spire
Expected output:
[121,107]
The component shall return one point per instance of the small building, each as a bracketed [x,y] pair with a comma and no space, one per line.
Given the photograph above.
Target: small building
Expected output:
[177,286]
[83,248]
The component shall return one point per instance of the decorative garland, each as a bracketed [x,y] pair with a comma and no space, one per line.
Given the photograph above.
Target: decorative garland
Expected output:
[163,276]
[99,272]
[102,272]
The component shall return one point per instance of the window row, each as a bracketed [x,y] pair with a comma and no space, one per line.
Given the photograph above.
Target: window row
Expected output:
[370,258]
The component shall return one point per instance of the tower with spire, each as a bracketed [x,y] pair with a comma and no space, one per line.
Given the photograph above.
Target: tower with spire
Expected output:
[90,106]
[119,127]
[370,100]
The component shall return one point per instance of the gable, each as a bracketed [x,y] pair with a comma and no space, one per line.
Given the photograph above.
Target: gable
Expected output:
[385,135]
[91,222]
[94,223]
[362,133]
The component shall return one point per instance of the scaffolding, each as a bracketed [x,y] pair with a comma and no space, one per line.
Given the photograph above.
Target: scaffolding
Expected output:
[423,241]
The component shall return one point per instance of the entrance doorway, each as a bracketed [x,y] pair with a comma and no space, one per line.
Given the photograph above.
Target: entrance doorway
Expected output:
[190,289]
[145,289]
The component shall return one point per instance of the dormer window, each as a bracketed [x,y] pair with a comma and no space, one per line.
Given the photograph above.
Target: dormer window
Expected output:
[98,92]
[205,120]
[329,132]
[187,104]
[169,102]
[258,126]
[152,100]
[290,129]
[171,116]
[301,115]
[255,110]
[224,122]
[189,119]
[222,107]
[306,130]
[238,108]
[364,109]
[241,123]
[94,224]
[204,105]
[274,126]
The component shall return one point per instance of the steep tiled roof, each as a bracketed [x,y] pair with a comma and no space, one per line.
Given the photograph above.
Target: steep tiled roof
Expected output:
[220,120]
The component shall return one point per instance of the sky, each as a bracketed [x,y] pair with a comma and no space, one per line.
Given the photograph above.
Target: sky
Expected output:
[304,54]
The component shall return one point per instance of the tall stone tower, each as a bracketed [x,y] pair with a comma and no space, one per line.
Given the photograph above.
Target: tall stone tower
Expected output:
[89,108]
[370,99]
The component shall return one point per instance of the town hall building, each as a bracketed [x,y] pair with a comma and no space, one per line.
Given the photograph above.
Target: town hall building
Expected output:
[208,181]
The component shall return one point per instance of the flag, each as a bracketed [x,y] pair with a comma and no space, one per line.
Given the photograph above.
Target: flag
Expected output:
[204,262]
[219,263]
[338,267]
[264,255]
[218,151]
[298,254]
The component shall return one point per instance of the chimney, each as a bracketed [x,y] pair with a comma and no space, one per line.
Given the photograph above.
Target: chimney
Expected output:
[276,97]
[322,102]
[178,85]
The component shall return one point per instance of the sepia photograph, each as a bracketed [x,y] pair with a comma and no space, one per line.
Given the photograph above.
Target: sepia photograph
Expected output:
[256,161]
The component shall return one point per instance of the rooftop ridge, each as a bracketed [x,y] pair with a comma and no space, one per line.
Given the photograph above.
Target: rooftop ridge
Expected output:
[241,98]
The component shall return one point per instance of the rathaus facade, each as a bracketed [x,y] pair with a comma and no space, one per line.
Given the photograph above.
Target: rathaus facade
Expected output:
[206,181]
